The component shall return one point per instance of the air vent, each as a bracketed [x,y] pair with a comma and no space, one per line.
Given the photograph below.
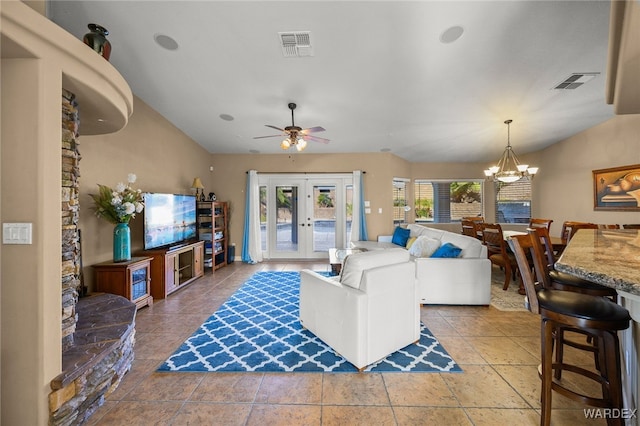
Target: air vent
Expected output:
[296,44]
[575,80]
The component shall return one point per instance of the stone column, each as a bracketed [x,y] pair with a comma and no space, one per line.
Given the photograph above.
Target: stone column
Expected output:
[71,255]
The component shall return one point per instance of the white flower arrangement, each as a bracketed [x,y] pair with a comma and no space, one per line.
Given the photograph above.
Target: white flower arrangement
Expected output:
[119,205]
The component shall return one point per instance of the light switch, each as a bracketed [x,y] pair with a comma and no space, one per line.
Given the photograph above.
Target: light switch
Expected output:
[367,211]
[16,233]
[380,210]
[367,203]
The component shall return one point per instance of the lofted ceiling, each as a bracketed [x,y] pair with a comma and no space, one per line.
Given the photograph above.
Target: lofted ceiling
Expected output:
[379,78]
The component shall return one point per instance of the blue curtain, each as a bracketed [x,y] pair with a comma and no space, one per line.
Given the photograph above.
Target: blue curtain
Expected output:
[247,222]
[251,244]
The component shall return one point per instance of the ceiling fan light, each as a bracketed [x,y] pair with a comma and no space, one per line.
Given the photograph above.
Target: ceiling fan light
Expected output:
[494,169]
[302,144]
[523,167]
[285,144]
[488,172]
[532,170]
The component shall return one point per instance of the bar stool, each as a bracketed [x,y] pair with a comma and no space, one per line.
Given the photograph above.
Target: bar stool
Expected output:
[550,278]
[562,311]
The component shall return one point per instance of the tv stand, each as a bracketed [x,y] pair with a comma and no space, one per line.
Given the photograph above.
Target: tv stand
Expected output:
[175,267]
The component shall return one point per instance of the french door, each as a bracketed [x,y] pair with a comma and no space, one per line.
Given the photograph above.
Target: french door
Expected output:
[303,216]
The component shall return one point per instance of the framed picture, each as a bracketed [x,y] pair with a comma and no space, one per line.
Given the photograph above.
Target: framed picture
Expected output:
[617,188]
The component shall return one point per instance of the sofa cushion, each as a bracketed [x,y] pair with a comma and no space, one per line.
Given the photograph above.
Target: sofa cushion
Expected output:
[356,263]
[424,246]
[400,236]
[447,250]
[471,247]
[372,245]
[418,230]
[410,242]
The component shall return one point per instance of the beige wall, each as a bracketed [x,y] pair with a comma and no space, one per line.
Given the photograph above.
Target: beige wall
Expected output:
[162,157]
[564,188]
[30,274]
[228,181]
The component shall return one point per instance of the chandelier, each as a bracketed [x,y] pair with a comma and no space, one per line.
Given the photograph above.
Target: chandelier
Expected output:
[293,140]
[509,168]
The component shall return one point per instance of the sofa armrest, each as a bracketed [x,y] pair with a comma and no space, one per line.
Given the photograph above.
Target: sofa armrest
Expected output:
[458,281]
[321,295]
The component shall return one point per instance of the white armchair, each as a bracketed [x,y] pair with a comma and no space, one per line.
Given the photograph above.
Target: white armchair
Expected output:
[370,311]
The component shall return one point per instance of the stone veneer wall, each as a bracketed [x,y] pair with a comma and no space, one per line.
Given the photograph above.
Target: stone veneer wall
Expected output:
[71,261]
[98,332]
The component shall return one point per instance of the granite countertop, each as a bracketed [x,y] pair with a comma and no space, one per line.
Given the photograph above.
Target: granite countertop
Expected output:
[605,256]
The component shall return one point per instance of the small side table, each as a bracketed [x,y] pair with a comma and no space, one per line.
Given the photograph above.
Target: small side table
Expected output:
[336,257]
[131,279]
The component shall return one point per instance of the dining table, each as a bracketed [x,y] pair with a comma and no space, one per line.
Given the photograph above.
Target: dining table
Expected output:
[611,257]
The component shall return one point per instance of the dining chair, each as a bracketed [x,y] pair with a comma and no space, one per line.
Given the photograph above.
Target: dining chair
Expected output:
[471,229]
[560,311]
[611,226]
[569,228]
[497,251]
[478,219]
[631,226]
[540,223]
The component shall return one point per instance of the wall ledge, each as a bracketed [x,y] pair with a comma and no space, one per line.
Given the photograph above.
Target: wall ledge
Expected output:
[106,98]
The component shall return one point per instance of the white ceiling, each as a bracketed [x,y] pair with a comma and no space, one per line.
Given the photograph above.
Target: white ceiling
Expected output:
[379,77]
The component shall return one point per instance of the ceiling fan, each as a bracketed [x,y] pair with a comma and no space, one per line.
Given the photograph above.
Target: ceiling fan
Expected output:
[296,136]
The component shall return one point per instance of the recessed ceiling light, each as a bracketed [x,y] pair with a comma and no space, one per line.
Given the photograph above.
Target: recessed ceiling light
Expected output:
[451,34]
[166,41]
[227,117]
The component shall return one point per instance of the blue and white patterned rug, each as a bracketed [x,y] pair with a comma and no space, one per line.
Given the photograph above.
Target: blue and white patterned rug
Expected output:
[258,329]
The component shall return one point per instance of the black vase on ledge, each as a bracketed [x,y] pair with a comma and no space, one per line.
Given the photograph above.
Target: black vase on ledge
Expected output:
[97,40]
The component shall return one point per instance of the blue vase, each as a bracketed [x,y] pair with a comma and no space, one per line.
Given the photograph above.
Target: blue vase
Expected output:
[121,243]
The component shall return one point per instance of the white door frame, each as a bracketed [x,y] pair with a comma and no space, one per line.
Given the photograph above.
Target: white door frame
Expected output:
[305,222]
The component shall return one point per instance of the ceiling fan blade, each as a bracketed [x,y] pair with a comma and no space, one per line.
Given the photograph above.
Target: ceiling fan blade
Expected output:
[312,130]
[271,136]
[315,139]
[274,127]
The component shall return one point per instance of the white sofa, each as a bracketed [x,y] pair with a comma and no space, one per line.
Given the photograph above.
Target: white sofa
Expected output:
[368,312]
[465,280]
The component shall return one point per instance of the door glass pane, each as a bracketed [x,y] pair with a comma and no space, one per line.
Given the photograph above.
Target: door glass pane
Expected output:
[324,217]
[286,218]
[263,218]
[348,213]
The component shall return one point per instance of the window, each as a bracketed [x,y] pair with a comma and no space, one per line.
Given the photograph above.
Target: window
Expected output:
[442,201]
[400,206]
[513,201]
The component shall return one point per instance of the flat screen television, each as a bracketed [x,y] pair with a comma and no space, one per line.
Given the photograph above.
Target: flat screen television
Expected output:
[169,219]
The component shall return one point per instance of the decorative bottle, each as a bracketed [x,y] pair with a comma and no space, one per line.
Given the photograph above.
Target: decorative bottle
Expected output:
[97,40]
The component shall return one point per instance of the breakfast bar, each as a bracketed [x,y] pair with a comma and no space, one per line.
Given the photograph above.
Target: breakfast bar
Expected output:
[612,258]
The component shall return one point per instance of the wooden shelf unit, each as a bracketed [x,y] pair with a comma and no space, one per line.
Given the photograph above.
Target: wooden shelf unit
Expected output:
[213,230]
[131,279]
[172,269]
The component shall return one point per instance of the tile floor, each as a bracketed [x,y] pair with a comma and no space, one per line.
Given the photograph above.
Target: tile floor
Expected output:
[498,351]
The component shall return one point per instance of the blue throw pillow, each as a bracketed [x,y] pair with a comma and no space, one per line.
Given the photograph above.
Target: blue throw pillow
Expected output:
[447,250]
[400,236]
